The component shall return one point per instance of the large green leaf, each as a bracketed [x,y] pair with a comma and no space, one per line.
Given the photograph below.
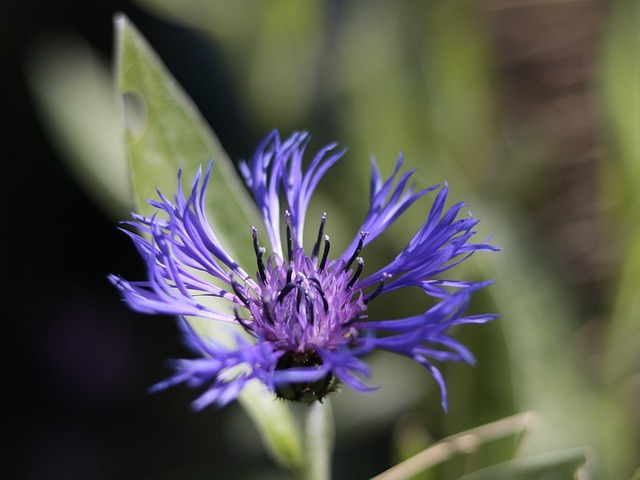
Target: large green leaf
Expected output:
[165,132]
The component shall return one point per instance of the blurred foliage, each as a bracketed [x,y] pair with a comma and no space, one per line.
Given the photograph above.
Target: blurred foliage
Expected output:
[554,465]
[530,110]
[620,75]
[75,95]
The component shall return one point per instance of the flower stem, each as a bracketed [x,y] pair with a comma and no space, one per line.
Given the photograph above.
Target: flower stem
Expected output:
[317,425]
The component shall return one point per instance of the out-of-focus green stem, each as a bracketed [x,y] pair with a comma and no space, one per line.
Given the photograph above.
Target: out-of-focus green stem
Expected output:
[318,436]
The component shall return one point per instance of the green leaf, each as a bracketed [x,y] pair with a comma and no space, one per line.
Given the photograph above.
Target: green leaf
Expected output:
[560,465]
[165,132]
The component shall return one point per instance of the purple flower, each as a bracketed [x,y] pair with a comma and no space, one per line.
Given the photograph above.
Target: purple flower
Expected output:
[305,315]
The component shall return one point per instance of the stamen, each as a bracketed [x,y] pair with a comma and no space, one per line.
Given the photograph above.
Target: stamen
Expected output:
[287,219]
[316,247]
[301,290]
[311,311]
[288,287]
[236,289]
[357,273]
[325,303]
[267,312]
[377,291]
[299,297]
[325,253]
[363,235]
[309,302]
[316,283]
[244,323]
[259,252]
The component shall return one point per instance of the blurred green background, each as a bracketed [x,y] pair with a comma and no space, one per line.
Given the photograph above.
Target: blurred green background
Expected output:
[529,109]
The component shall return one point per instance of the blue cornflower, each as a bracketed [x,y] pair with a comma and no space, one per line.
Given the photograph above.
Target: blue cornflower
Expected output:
[305,314]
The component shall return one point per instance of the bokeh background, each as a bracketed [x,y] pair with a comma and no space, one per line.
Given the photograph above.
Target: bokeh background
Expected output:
[529,109]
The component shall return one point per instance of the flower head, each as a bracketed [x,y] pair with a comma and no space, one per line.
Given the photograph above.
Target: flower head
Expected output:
[305,314]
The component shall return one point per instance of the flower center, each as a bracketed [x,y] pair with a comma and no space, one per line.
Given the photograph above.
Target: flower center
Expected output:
[304,306]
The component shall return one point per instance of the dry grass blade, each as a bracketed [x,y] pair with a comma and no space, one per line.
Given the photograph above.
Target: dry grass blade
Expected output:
[461,443]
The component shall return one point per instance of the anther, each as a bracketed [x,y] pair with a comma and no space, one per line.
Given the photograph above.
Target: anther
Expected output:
[316,283]
[377,291]
[236,289]
[363,235]
[311,310]
[259,252]
[244,323]
[267,312]
[325,253]
[357,273]
[316,247]
[299,297]
[287,288]
[325,303]
[287,219]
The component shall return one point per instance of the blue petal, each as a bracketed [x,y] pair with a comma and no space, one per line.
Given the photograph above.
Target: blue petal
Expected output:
[217,369]
[384,211]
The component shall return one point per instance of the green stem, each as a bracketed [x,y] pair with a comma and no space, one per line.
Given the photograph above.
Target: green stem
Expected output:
[318,436]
